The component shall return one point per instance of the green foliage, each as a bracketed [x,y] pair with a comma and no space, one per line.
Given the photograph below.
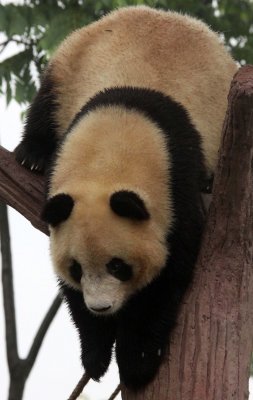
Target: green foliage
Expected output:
[38,26]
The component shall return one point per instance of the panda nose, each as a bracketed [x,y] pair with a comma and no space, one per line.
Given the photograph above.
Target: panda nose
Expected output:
[100,309]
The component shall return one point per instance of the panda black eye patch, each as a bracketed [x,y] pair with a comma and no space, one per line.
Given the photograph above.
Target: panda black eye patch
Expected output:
[75,271]
[128,204]
[57,209]
[119,269]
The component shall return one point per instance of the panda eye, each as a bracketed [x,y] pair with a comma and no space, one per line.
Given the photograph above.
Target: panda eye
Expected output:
[75,271]
[119,269]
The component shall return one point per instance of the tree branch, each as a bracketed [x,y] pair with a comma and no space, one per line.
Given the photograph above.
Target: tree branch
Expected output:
[25,192]
[22,189]
[8,292]
[3,45]
[79,387]
[37,342]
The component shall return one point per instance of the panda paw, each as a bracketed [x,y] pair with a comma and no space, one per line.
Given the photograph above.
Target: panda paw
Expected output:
[96,362]
[31,158]
[138,366]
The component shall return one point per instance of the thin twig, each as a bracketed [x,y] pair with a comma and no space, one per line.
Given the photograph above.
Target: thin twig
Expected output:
[79,387]
[8,291]
[4,45]
[42,332]
[115,393]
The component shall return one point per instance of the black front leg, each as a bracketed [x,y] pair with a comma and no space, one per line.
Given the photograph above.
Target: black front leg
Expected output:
[97,334]
[40,136]
[142,335]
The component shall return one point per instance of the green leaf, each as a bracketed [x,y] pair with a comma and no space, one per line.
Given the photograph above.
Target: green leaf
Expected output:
[16,20]
[18,62]
[19,92]
[3,19]
[8,93]
[42,24]
[62,24]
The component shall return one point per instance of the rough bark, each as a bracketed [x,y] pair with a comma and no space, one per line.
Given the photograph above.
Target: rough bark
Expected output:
[209,353]
[22,189]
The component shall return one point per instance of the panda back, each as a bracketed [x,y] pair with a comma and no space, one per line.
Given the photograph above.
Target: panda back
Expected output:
[138,46]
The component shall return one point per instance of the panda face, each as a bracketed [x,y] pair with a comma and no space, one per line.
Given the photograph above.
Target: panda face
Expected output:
[96,288]
[108,252]
[110,209]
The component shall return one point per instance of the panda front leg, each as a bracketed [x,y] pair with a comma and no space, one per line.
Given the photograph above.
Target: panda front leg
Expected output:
[97,334]
[39,140]
[142,335]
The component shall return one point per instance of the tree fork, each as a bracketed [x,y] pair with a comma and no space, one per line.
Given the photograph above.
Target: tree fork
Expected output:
[209,353]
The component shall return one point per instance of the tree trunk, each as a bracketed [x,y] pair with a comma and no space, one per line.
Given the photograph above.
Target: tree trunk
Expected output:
[17,386]
[16,390]
[209,353]
[210,349]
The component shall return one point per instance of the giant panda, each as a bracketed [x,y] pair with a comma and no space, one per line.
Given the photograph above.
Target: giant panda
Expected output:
[126,125]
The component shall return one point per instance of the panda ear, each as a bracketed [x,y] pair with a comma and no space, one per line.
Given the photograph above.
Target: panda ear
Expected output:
[57,209]
[129,205]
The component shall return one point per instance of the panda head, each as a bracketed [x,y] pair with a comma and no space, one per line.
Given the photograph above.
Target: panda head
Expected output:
[105,244]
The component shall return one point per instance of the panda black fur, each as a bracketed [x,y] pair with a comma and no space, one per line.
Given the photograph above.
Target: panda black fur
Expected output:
[127,121]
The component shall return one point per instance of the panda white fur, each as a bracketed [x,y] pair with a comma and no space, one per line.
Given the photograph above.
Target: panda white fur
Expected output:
[127,122]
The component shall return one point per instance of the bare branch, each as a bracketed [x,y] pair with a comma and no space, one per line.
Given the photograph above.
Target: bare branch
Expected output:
[115,393]
[8,292]
[42,332]
[25,192]
[79,387]
[3,45]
